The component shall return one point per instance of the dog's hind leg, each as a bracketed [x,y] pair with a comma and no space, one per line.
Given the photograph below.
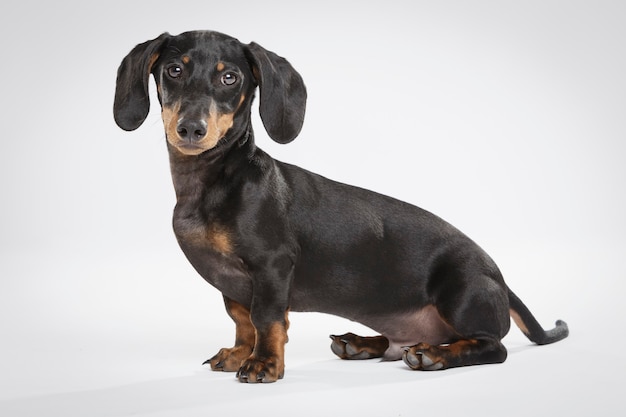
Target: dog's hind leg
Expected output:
[480,321]
[351,346]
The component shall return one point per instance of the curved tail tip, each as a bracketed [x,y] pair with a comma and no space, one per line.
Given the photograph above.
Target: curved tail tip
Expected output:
[564,328]
[561,331]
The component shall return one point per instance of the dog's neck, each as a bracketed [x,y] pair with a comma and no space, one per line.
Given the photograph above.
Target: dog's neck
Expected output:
[192,174]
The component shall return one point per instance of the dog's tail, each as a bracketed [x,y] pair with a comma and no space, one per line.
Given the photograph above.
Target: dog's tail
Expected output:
[529,325]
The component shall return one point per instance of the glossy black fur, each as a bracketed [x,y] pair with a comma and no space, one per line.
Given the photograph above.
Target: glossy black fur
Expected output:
[273,237]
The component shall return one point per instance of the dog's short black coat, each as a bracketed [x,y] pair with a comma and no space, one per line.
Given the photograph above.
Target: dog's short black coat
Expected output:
[273,237]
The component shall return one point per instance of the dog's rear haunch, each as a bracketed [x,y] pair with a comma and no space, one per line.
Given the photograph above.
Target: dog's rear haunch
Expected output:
[275,238]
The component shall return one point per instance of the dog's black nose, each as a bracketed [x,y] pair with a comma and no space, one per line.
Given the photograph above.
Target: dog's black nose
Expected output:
[191,130]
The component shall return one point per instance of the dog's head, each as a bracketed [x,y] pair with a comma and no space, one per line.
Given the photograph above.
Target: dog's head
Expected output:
[205,84]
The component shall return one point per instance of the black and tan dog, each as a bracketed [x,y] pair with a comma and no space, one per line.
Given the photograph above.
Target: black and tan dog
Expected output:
[273,237]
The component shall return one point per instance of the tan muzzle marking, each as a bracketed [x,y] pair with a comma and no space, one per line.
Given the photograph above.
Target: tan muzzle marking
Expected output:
[217,126]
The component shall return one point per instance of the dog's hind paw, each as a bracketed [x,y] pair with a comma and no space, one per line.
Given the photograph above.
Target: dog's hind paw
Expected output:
[351,346]
[417,359]
[459,353]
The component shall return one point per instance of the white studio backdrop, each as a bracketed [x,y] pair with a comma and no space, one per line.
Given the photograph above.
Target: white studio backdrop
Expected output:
[504,118]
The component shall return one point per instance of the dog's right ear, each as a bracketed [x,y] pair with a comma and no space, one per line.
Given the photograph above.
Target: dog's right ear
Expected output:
[132,102]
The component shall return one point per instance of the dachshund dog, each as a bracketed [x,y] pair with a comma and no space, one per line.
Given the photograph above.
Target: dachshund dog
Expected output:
[274,238]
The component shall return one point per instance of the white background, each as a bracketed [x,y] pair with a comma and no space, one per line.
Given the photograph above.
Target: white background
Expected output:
[505,118]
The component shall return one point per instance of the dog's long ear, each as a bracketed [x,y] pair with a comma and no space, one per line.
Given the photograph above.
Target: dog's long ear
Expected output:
[283,94]
[132,102]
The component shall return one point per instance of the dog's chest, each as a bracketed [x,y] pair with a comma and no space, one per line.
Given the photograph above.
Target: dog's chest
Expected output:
[209,247]
[194,232]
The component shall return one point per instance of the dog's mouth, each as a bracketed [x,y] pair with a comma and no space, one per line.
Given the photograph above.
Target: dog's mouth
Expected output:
[189,149]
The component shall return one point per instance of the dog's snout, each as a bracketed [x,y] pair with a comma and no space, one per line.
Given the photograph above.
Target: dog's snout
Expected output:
[191,130]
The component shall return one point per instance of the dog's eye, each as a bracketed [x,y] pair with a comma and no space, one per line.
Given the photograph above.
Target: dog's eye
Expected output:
[174,71]
[229,78]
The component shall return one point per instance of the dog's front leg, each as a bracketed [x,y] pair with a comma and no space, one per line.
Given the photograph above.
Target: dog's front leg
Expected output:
[269,316]
[230,359]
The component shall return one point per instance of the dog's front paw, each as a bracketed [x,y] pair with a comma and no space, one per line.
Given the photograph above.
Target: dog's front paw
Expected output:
[256,369]
[422,357]
[229,359]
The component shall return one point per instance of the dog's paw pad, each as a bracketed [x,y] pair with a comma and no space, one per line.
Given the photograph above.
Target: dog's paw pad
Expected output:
[354,353]
[255,370]
[338,346]
[417,359]
[229,359]
[351,346]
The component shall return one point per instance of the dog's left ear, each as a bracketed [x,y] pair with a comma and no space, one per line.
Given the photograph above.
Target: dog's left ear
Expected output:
[132,102]
[283,94]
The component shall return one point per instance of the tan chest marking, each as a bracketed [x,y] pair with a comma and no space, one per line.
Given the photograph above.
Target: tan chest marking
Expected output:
[210,236]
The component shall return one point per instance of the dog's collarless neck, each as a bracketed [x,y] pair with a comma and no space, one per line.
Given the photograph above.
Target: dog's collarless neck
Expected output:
[194,172]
